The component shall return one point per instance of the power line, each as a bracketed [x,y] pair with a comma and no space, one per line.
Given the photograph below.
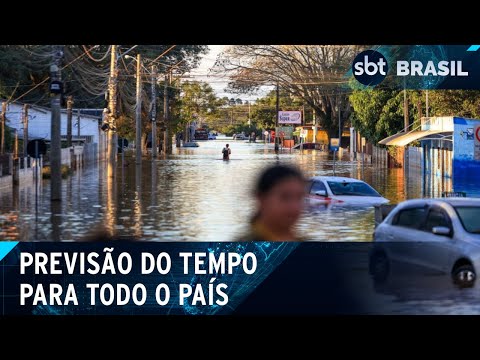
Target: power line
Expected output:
[48,77]
[92,58]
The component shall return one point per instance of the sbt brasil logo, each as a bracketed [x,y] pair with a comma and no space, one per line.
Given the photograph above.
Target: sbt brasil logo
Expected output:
[370,67]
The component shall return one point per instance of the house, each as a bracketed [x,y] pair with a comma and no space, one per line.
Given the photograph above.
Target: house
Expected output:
[85,126]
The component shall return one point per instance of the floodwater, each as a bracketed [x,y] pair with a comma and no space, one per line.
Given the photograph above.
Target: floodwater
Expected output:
[193,196]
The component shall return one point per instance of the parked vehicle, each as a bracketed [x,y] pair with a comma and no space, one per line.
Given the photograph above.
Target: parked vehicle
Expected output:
[342,190]
[240,136]
[434,235]
[212,137]
[201,134]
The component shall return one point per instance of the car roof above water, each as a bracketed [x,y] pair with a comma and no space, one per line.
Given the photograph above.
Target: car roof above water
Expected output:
[335,178]
[452,201]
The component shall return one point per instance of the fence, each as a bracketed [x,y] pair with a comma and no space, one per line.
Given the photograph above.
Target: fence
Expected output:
[20,171]
[379,156]
[414,160]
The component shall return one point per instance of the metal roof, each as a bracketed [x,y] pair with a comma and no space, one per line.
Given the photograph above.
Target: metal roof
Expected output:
[403,139]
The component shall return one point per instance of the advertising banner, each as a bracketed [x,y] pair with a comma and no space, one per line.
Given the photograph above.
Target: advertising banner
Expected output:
[289,117]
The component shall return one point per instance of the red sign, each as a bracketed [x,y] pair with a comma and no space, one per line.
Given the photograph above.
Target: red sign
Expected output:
[477,133]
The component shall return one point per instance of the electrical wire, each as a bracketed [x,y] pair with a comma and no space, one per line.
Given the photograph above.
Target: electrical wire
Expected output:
[92,58]
[47,78]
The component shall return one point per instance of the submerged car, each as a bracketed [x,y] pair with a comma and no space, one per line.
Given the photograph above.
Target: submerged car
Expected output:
[240,137]
[433,235]
[342,190]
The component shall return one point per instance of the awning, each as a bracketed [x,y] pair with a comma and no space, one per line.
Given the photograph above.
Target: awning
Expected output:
[403,139]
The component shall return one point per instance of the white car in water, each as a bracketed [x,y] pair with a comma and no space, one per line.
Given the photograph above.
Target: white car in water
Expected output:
[441,235]
[342,191]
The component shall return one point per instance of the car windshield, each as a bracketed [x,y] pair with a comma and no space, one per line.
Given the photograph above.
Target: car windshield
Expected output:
[351,188]
[469,216]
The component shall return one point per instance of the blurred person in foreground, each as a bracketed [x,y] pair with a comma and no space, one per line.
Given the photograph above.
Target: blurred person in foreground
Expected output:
[280,195]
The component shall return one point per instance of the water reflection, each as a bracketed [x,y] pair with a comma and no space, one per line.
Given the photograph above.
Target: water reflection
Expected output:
[111,203]
[195,196]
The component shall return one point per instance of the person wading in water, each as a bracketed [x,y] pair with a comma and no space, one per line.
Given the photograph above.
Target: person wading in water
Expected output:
[226,152]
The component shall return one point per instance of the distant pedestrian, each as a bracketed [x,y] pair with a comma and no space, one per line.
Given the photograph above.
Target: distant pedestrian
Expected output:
[265,134]
[254,136]
[226,152]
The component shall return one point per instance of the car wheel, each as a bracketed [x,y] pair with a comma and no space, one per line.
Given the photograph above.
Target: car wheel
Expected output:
[464,276]
[379,267]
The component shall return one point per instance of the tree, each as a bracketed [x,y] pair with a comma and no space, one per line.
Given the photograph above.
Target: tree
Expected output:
[198,101]
[238,101]
[263,113]
[86,76]
[225,101]
[313,73]
[378,113]
[462,103]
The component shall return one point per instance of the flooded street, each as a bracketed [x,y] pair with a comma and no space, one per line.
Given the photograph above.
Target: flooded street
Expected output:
[196,196]
[191,196]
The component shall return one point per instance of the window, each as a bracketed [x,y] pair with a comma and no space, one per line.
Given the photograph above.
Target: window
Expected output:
[436,217]
[410,218]
[318,186]
[308,186]
[469,216]
[352,188]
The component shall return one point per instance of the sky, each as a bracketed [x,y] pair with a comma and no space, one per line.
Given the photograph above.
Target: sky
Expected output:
[219,84]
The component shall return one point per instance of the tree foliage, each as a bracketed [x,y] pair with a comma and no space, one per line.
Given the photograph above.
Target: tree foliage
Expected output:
[378,113]
[314,73]
[462,103]
[198,102]
[87,72]
[263,113]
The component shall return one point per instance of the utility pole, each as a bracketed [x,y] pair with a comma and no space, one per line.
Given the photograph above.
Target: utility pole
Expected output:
[154,112]
[78,123]
[303,115]
[2,120]
[138,114]
[169,140]
[15,146]
[69,120]
[405,108]
[55,141]
[112,107]
[426,103]
[277,107]
[166,115]
[339,122]
[25,129]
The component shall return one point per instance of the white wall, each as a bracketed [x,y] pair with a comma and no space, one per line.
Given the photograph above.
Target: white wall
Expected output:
[40,120]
